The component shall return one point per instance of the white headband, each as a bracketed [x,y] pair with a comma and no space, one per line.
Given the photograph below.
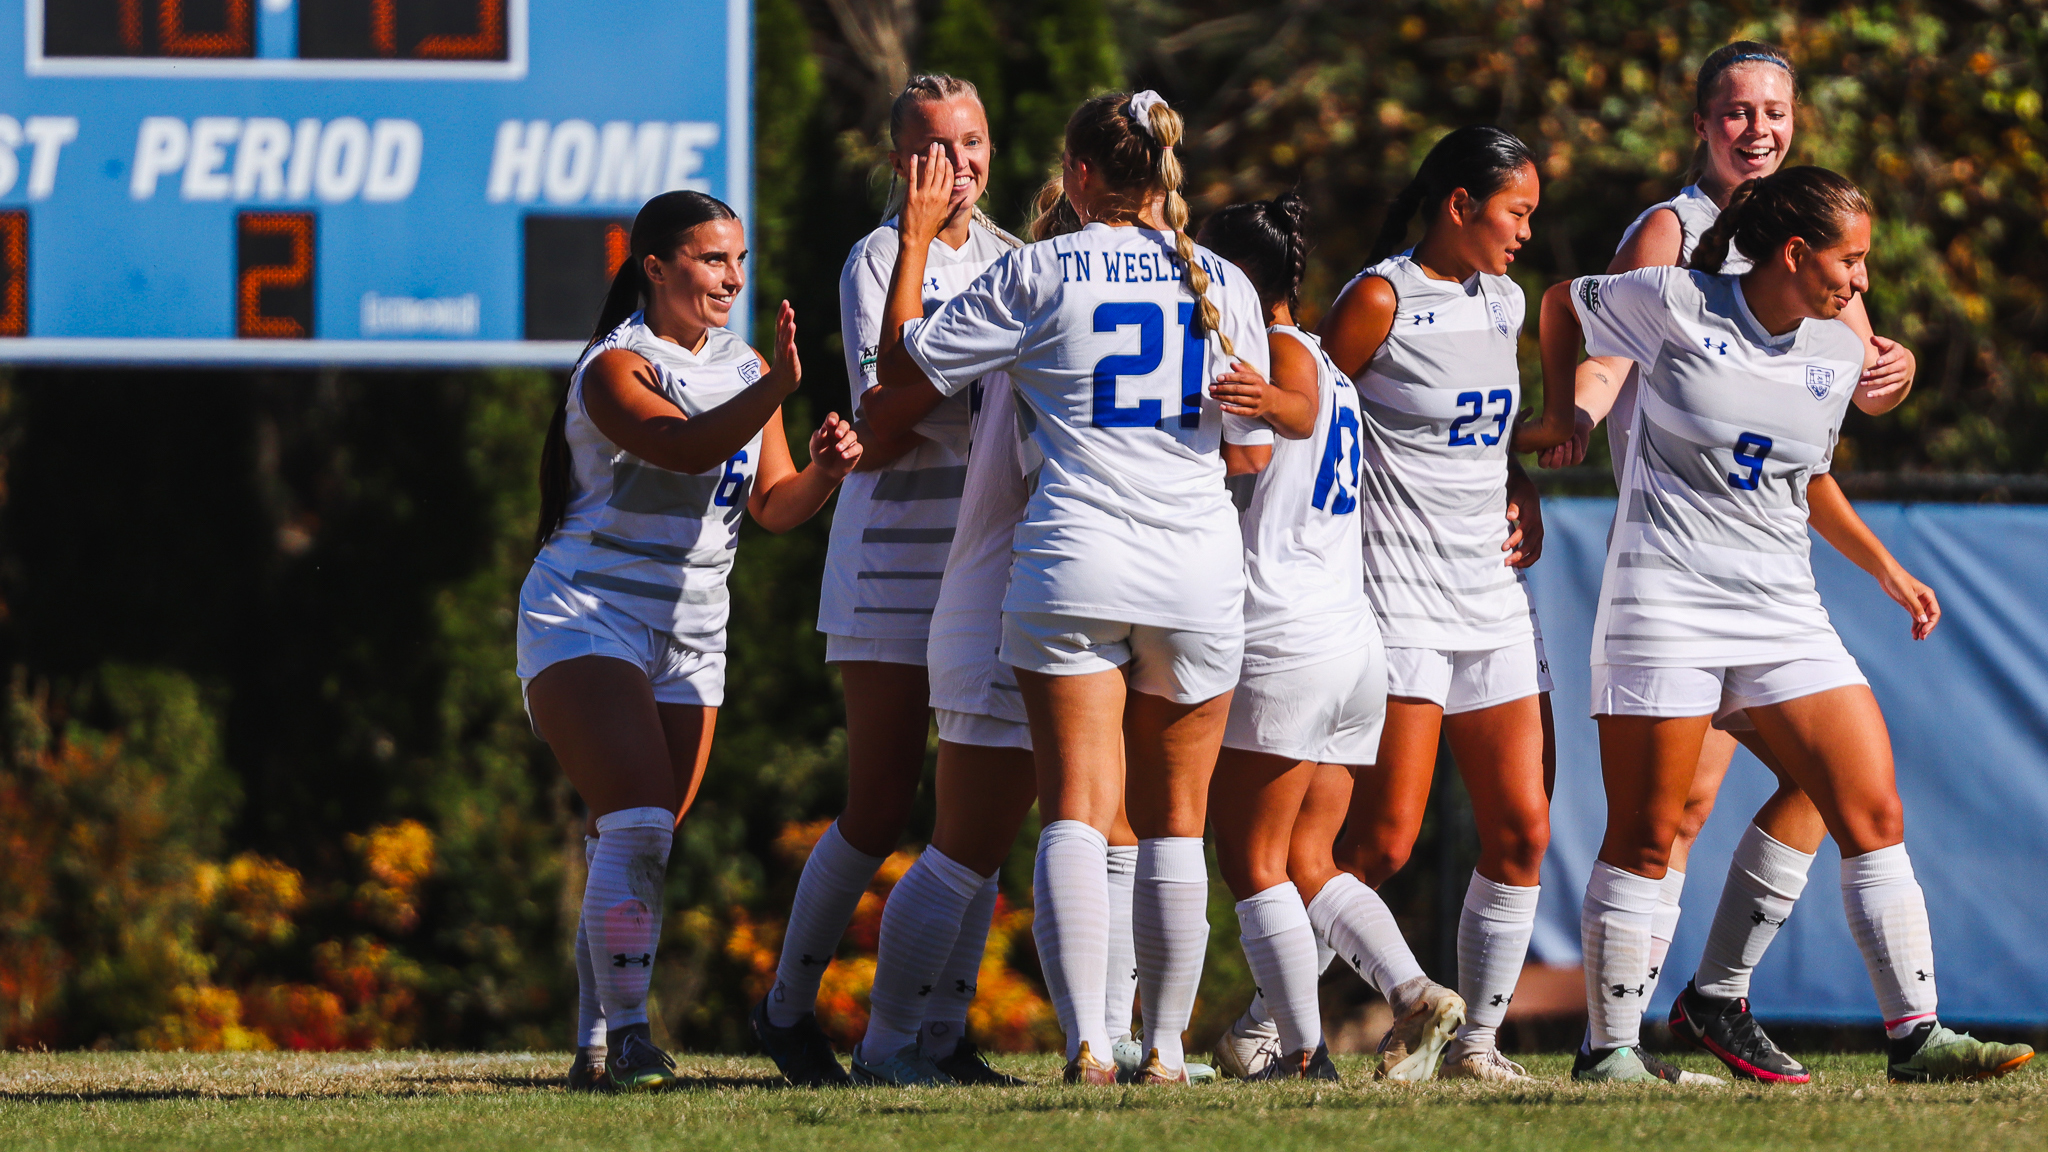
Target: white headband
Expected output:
[1139,110]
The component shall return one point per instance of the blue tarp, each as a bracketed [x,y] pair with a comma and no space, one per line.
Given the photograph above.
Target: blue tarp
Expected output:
[1968,712]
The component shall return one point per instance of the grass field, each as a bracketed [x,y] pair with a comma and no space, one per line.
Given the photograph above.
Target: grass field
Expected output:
[449,1101]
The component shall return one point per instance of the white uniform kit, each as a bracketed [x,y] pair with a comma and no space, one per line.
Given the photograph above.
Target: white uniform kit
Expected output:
[1439,401]
[893,526]
[1129,547]
[1709,578]
[637,569]
[1315,675]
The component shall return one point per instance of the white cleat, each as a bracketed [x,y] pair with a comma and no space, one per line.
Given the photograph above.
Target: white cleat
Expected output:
[1410,1049]
[1245,1055]
[1486,1065]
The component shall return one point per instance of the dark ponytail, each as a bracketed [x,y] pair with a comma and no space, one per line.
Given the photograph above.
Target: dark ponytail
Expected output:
[1479,158]
[1811,203]
[1716,65]
[658,230]
[1266,238]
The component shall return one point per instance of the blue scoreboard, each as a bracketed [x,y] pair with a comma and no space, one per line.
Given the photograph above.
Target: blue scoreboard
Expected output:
[347,182]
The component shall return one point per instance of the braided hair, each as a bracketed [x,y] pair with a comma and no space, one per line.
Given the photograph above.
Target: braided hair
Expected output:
[1266,238]
[1479,158]
[1809,202]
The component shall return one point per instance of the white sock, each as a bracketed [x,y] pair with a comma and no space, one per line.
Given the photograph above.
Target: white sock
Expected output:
[1764,881]
[920,925]
[1888,916]
[1281,948]
[826,895]
[1493,942]
[1121,999]
[1358,927]
[1070,884]
[1663,926]
[1170,926]
[945,1010]
[1614,934]
[590,1031]
[622,907]
[1256,1015]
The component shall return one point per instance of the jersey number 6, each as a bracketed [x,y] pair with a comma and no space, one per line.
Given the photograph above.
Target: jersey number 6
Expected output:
[1151,322]
[1751,450]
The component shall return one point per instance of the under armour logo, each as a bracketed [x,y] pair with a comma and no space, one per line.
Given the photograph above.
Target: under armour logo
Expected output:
[1543,666]
[963,988]
[1655,971]
[932,283]
[1622,991]
[1923,974]
[1425,318]
[1760,919]
[1713,346]
[807,960]
[620,959]
[924,989]
[1357,962]
[1500,1000]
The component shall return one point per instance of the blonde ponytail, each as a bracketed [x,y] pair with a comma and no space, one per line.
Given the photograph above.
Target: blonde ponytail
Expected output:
[1166,127]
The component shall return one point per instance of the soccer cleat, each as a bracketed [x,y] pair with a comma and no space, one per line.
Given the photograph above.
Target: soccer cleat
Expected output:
[1302,1065]
[1084,1068]
[907,1067]
[1128,1055]
[966,1065]
[1410,1049]
[586,1071]
[639,1066]
[1486,1065]
[801,1052]
[1726,1029]
[1631,1065]
[1934,1054]
[1243,1056]
[1155,1072]
[1199,1073]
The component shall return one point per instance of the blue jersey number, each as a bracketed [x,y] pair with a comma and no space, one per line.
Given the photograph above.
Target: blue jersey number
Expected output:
[1751,450]
[1330,475]
[729,484]
[1150,321]
[1478,402]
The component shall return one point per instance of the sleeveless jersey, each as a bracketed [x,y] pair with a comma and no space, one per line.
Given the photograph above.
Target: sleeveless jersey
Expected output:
[1439,400]
[1696,212]
[1304,598]
[1129,520]
[967,622]
[1709,564]
[656,544]
[892,526]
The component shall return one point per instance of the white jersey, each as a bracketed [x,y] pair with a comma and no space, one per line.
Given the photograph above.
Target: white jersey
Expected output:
[656,544]
[1304,596]
[892,526]
[967,624]
[1709,561]
[1696,212]
[1439,400]
[1129,520]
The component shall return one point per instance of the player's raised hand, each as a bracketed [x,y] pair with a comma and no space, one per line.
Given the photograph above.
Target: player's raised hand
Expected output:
[1916,598]
[1884,382]
[928,203]
[788,369]
[835,446]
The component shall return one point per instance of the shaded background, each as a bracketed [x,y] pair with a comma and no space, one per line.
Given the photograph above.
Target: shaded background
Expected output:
[265,779]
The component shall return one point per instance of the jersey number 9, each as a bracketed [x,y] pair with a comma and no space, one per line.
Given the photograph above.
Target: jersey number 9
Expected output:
[1150,320]
[1751,450]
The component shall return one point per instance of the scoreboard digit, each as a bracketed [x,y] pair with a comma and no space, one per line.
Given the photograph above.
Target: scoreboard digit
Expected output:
[220,28]
[274,255]
[569,265]
[408,29]
[14,273]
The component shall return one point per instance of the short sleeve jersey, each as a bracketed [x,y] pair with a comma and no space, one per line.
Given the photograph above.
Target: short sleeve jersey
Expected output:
[1304,599]
[1709,562]
[967,622]
[1696,212]
[655,544]
[1439,400]
[892,527]
[1129,520]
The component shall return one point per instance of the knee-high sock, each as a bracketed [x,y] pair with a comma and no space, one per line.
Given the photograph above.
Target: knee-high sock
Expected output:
[1071,926]
[1764,881]
[826,895]
[1358,927]
[1170,925]
[1281,948]
[589,1012]
[1121,997]
[920,926]
[1888,916]
[622,908]
[945,1013]
[1493,941]
[1256,1014]
[1663,926]
[1614,934]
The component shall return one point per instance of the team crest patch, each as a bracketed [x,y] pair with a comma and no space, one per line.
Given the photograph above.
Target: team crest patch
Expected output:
[1589,293]
[1819,380]
[1500,317]
[750,370]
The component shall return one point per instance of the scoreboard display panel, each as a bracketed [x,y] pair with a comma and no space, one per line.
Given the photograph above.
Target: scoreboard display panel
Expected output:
[347,182]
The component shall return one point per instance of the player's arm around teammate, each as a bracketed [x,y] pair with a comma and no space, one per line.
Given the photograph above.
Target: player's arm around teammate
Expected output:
[1708,605]
[670,427]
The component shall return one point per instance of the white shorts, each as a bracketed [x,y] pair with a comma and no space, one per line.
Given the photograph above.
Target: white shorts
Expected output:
[558,622]
[1468,681]
[1183,666]
[981,731]
[839,649]
[1723,693]
[1330,712]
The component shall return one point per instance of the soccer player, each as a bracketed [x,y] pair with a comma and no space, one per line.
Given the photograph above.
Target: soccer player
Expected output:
[890,535]
[1124,617]
[1708,605]
[670,428]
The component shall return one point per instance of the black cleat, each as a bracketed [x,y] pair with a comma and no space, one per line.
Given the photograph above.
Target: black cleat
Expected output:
[1303,1065]
[967,1065]
[1726,1029]
[801,1052]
